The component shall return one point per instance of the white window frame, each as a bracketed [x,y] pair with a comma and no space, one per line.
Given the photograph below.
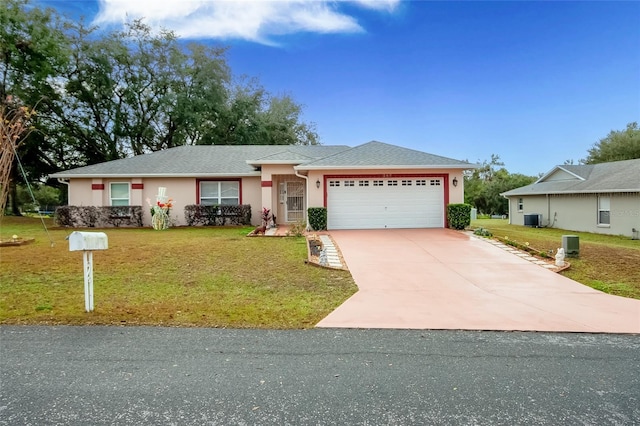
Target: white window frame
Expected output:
[219,198]
[520,204]
[112,199]
[602,208]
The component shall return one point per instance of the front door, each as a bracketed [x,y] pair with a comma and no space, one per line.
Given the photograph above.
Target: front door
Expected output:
[294,201]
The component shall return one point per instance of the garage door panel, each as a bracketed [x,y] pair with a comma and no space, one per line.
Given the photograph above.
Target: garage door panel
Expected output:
[385,205]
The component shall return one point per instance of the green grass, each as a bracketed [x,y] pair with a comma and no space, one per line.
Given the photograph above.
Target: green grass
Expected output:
[213,277]
[607,263]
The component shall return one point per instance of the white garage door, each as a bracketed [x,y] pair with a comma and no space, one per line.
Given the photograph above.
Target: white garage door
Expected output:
[385,203]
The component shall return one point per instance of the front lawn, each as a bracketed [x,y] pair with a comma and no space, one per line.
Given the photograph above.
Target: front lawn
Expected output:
[607,263]
[192,276]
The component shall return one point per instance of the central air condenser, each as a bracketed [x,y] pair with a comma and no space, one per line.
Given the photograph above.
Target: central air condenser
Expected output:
[533,220]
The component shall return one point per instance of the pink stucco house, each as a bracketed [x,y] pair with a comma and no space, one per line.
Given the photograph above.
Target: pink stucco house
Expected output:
[374,185]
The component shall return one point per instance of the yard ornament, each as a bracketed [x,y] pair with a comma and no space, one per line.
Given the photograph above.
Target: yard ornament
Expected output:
[560,257]
[160,210]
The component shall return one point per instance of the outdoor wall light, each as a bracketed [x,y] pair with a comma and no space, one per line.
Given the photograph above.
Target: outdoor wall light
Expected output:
[455,181]
[318,184]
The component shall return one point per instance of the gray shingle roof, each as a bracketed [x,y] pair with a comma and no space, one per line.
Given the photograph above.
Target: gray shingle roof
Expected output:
[617,176]
[381,155]
[580,170]
[286,156]
[240,160]
[200,161]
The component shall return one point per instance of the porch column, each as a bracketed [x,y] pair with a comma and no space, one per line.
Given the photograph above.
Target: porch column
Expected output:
[97,192]
[267,190]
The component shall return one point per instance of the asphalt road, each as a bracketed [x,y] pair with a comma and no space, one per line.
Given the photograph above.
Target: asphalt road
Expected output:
[173,376]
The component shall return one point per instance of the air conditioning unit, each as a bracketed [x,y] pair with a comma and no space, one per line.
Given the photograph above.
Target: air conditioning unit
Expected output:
[571,245]
[533,220]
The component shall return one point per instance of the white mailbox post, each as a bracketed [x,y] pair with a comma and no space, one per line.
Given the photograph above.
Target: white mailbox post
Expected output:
[87,242]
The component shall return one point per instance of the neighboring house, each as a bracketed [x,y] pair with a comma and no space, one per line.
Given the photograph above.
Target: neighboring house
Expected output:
[601,198]
[374,185]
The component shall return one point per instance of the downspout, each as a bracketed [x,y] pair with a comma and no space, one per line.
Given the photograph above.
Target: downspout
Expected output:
[548,211]
[306,197]
[508,204]
[66,182]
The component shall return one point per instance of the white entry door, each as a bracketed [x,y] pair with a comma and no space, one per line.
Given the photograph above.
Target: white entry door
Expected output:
[385,203]
[294,201]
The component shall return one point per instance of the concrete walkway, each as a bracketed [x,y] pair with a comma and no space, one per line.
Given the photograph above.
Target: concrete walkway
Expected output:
[444,279]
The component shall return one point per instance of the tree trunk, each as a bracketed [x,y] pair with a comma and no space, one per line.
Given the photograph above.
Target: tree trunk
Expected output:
[13,199]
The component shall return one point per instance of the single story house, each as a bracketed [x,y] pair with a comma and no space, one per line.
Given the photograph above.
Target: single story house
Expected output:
[600,198]
[374,185]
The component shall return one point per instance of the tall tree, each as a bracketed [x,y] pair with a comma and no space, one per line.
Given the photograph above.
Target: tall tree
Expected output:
[103,95]
[617,145]
[252,116]
[483,186]
[33,50]
[133,91]
[283,124]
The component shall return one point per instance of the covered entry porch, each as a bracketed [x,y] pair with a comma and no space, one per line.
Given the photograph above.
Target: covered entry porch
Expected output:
[288,199]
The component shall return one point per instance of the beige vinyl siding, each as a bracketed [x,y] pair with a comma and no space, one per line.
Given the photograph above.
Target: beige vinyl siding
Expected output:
[579,212]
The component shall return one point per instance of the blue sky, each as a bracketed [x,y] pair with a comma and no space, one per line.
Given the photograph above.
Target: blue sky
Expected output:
[537,83]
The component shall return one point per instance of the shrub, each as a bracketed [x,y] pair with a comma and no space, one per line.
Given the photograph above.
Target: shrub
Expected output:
[459,215]
[76,216]
[483,232]
[104,216]
[120,216]
[297,229]
[201,215]
[317,218]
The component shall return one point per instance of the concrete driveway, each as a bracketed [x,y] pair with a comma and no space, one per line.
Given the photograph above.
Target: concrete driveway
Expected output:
[444,279]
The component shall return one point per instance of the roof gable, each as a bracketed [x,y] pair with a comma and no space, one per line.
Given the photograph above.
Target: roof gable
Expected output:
[376,154]
[560,174]
[616,176]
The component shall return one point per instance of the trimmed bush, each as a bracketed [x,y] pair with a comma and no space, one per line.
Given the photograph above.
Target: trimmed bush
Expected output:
[317,218]
[201,215]
[483,232]
[459,215]
[102,217]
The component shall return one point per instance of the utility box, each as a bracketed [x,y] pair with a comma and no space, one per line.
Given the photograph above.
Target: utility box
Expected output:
[571,245]
[88,241]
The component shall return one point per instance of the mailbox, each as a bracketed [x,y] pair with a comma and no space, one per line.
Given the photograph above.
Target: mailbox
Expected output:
[87,241]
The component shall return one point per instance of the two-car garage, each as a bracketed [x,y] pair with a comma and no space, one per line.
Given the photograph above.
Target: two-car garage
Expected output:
[385,202]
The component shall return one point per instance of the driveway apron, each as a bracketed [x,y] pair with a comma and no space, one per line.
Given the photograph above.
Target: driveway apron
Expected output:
[444,279]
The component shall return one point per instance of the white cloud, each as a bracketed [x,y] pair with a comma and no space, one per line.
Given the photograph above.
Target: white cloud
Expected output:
[254,20]
[378,4]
